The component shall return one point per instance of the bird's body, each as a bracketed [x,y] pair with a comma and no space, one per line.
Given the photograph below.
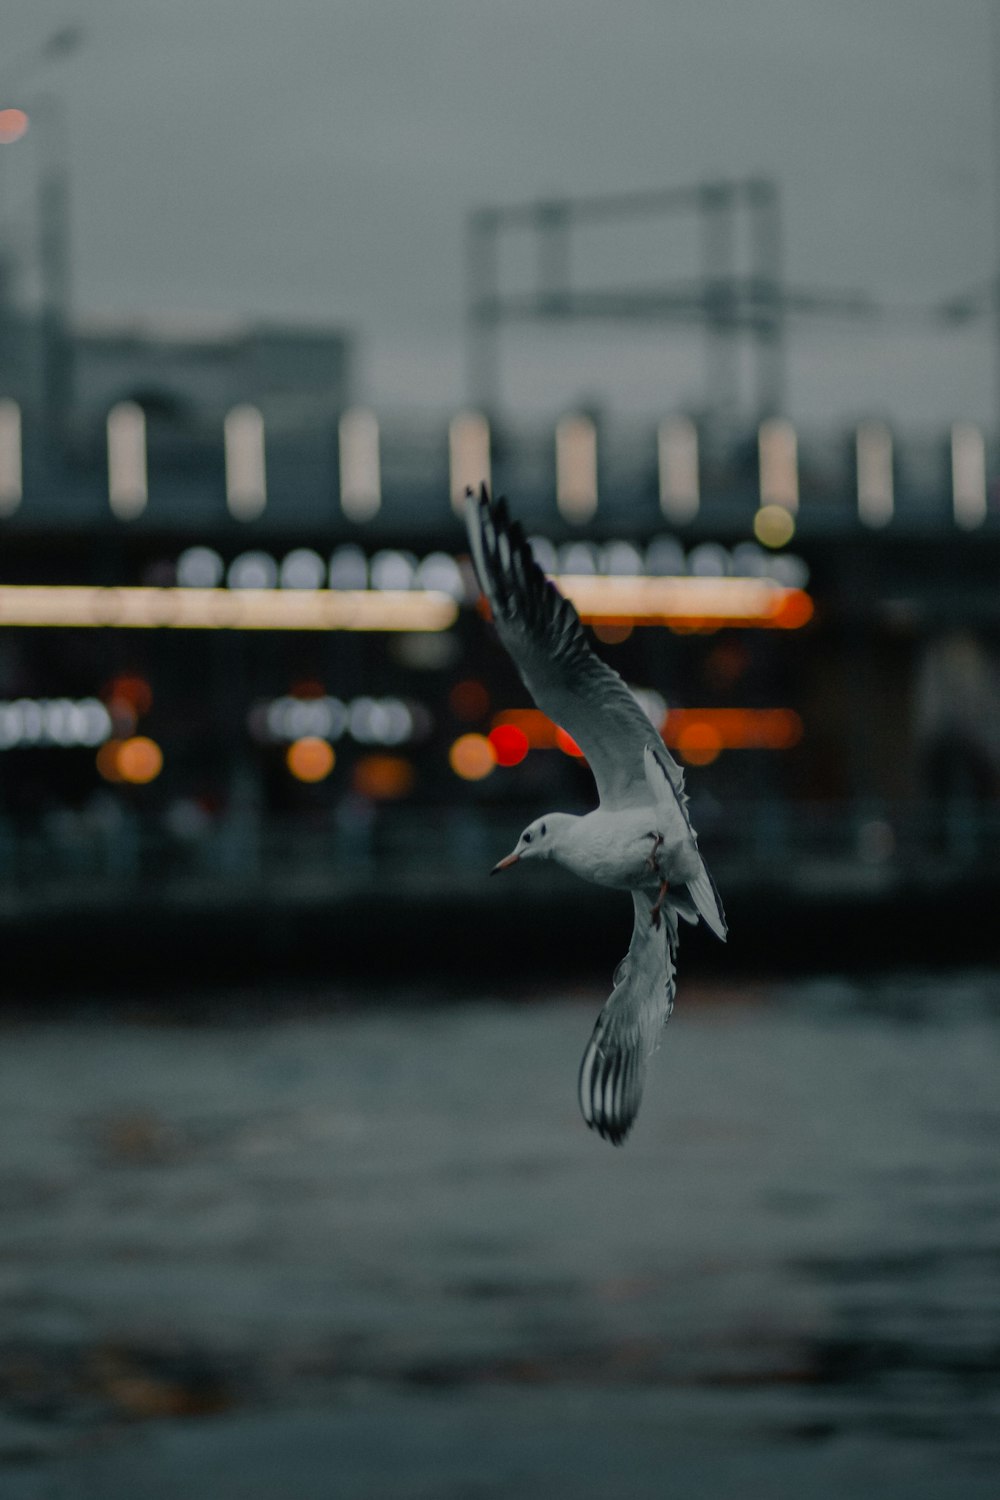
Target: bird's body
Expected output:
[639,839]
[627,850]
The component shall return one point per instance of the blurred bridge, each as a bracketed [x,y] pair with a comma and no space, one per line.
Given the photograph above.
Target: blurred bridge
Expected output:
[361,476]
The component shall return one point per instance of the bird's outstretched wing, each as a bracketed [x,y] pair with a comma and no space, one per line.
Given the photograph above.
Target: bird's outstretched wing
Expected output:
[543,635]
[613,1069]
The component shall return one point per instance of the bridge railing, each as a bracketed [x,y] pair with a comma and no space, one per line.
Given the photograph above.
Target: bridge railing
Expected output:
[586,472]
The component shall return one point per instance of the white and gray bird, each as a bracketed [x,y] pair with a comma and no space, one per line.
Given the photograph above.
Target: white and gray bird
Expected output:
[639,839]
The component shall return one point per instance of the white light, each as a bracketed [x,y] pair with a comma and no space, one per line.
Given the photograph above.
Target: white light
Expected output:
[779,468]
[620,559]
[10,726]
[576,468]
[751,561]
[360,468]
[200,568]
[252,570]
[308,716]
[708,560]
[32,720]
[96,725]
[578,558]
[665,558]
[372,721]
[92,607]
[246,480]
[785,568]
[303,569]
[874,456]
[397,722]
[127,488]
[469,455]
[10,457]
[392,570]
[544,553]
[53,721]
[60,727]
[677,450]
[441,572]
[348,569]
[968,475]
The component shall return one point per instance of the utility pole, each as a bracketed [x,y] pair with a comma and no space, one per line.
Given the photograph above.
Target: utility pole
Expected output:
[727,303]
[717,209]
[54,258]
[482,372]
[53,241]
[995,102]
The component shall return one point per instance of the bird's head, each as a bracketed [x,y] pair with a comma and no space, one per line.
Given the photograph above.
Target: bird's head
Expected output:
[538,841]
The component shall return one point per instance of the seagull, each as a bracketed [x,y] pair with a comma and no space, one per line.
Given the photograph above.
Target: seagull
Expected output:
[638,839]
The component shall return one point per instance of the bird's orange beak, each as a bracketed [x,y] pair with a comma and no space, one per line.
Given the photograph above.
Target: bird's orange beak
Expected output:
[505,864]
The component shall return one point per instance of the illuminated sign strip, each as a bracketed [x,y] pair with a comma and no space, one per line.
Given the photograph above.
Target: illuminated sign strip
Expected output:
[681,602]
[651,601]
[225,609]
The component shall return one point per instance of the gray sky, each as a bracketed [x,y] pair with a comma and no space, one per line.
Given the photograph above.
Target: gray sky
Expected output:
[314,160]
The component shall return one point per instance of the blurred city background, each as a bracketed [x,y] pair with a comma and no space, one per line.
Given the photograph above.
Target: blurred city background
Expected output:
[712,299]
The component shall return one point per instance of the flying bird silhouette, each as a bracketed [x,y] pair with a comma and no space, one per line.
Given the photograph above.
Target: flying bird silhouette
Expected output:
[639,839]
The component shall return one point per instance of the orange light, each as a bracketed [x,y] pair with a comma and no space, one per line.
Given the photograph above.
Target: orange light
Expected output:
[611,634]
[13,125]
[469,700]
[699,743]
[794,611]
[684,603]
[536,726]
[735,728]
[107,760]
[472,757]
[310,759]
[510,744]
[383,778]
[139,760]
[308,687]
[567,744]
[131,689]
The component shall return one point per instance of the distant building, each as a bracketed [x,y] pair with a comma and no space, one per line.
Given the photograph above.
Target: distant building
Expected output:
[202,369]
[184,372]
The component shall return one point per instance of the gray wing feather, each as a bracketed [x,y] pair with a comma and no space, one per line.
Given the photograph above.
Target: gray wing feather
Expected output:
[542,633]
[702,889]
[613,1070]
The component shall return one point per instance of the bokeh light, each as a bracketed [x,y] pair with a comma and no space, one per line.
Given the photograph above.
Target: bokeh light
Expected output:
[383,778]
[13,125]
[611,634]
[510,744]
[130,688]
[567,744]
[107,760]
[773,525]
[139,760]
[699,743]
[310,758]
[472,757]
[469,700]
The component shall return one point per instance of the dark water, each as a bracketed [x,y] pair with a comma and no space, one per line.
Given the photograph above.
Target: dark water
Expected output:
[370,1250]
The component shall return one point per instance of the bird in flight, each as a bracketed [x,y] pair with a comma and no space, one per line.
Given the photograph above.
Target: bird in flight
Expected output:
[638,839]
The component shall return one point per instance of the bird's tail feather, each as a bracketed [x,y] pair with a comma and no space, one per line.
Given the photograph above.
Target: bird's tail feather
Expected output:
[613,1070]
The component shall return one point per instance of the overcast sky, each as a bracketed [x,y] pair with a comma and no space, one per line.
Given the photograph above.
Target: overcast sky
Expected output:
[314,160]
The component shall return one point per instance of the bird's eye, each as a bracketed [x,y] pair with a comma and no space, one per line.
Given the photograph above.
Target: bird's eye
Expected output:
[542,830]
[527,838]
